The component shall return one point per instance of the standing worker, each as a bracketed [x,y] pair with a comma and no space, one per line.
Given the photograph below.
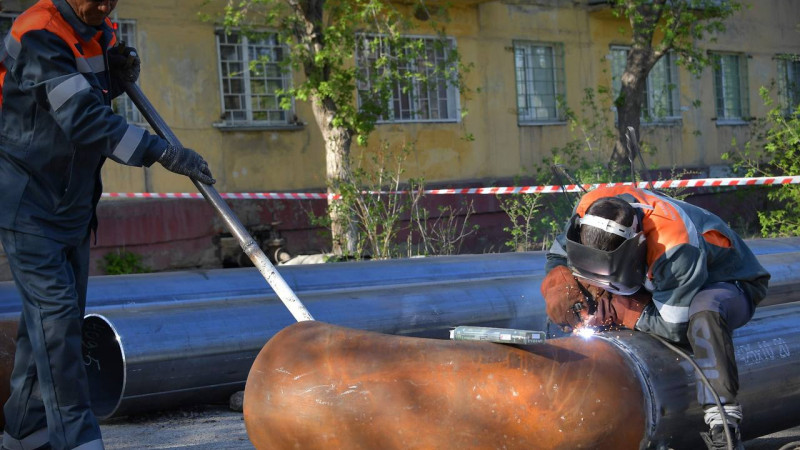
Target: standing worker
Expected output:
[60,66]
[645,261]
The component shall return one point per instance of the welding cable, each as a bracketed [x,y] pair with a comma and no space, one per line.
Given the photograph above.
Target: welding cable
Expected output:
[708,385]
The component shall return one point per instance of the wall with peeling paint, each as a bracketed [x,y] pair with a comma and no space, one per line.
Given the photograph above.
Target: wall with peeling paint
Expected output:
[181,78]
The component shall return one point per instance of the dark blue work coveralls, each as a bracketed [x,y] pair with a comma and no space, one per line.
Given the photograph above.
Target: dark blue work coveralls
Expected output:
[56,130]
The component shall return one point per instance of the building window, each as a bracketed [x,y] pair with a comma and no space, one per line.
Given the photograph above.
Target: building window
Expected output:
[730,86]
[428,96]
[122,105]
[661,102]
[789,82]
[253,80]
[540,81]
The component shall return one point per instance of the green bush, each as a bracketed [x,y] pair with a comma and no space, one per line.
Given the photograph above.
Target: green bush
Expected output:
[122,262]
[774,150]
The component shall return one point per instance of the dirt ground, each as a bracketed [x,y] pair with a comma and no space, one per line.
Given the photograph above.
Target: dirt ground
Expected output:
[207,427]
[219,428]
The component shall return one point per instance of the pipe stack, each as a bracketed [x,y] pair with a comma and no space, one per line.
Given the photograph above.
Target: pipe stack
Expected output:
[156,356]
[162,338]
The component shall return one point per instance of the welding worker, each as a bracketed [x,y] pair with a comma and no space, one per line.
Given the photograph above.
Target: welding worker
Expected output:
[60,66]
[641,260]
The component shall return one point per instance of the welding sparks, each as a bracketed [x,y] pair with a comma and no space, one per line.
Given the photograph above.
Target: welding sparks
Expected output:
[585,332]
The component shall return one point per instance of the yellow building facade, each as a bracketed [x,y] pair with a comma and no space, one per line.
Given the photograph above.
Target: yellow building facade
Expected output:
[523,54]
[181,75]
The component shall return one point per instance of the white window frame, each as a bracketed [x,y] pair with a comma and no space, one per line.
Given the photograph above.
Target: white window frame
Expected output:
[526,83]
[722,88]
[123,105]
[421,102]
[246,97]
[789,82]
[668,63]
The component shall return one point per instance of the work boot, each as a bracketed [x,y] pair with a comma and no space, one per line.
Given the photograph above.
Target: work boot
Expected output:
[715,438]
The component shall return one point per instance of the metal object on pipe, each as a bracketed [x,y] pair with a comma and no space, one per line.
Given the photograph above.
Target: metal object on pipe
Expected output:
[248,244]
[316,385]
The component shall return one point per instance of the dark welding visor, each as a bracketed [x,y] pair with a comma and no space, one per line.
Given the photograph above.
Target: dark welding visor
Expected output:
[621,271]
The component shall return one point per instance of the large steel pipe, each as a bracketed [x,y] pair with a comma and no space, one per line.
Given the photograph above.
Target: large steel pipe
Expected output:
[217,284]
[159,356]
[316,385]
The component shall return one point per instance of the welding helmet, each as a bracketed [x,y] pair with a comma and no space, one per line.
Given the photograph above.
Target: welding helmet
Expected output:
[621,271]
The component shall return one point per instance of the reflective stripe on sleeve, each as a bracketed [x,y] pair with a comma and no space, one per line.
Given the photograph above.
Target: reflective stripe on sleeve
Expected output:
[66,90]
[94,64]
[124,150]
[671,313]
[13,46]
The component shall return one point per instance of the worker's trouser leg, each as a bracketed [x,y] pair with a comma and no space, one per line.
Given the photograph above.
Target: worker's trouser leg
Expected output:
[715,312]
[49,384]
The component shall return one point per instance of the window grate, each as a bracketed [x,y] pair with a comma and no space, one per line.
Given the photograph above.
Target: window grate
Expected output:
[252,79]
[730,86]
[123,105]
[425,95]
[540,81]
[789,82]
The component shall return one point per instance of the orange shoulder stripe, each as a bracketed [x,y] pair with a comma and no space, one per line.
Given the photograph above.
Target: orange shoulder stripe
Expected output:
[45,16]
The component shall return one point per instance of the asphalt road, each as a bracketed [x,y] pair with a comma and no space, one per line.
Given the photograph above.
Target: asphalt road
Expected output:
[219,428]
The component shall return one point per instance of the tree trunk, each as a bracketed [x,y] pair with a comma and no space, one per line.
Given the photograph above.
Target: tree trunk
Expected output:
[643,17]
[337,139]
[629,103]
[337,158]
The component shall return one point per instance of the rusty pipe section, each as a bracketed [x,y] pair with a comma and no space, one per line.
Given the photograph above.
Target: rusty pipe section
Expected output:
[323,386]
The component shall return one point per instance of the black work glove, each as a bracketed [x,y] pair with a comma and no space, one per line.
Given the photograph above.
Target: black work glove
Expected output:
[124,62]
[187,162]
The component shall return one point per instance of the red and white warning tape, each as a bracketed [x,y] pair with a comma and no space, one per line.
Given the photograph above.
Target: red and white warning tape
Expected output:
[661,184]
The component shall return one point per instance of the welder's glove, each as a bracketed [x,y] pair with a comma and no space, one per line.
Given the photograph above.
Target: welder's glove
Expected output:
[187,162]
[124,62]
[619,310]
[567,301]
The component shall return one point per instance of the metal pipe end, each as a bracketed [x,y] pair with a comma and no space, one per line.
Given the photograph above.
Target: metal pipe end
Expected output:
[104,359]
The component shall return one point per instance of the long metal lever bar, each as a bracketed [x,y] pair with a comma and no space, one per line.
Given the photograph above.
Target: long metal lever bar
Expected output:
[246,241]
